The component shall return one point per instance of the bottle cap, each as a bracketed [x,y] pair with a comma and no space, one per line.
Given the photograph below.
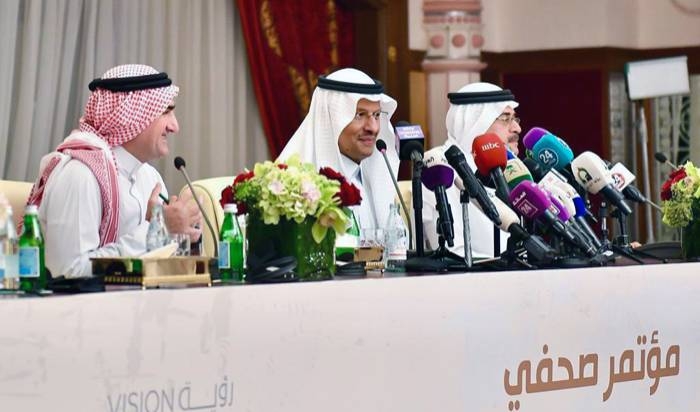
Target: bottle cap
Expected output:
[31,210]
[230,208]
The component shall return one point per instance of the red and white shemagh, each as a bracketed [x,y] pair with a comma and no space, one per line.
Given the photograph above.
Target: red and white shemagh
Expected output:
[116,118]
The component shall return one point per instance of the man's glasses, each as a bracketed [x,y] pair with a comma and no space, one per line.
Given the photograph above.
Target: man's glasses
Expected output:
[363,116]
[508,118]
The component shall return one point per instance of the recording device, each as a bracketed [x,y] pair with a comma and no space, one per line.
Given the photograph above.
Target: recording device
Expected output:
[660,157]
[533,136]
[491,157]
[592,174]
[534,203]
[623,179]
[516,172]
[537,249]
[180,165]
[456,159]
[381,146]
[438,176]
[411,141]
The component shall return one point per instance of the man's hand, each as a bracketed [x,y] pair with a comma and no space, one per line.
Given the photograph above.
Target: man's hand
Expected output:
[183,216]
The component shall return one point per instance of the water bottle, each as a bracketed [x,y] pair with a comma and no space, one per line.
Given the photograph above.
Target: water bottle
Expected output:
[32,273]
[396,242]
[231,247]
[9,251]
[157,235]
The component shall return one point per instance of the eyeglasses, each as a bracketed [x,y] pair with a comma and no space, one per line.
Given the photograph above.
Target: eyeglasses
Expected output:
[363,116]
[508,118]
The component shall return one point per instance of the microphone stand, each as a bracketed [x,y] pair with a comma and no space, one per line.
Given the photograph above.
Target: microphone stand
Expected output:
[622,246]
[417,188]
[466,232]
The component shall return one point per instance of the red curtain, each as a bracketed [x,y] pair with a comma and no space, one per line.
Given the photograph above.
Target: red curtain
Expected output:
[289,43]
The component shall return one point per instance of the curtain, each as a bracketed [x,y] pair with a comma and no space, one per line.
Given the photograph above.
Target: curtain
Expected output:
[52,49]
[289,44]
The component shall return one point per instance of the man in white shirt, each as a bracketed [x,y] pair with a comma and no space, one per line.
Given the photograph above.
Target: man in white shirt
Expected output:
[476,109]
[96,191]
[348,113]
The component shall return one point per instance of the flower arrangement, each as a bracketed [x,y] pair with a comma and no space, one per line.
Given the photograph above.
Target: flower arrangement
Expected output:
[294,190]
[680,194]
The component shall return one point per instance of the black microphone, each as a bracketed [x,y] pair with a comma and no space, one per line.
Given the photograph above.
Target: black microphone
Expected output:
[456,159]
[381,146]
[180,165]
[411,141]
[660,157]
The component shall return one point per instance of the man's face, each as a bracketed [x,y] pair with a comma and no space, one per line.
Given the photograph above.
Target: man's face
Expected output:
[507,128]
[152,142]
[358,138]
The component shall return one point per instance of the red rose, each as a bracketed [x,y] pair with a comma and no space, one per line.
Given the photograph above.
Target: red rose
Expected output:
[241,208]
[349,194]
[675,177]
[245,176]
[331,174]
[226,196]
[282,166]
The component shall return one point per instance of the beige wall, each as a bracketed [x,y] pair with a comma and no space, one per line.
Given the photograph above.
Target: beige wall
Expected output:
[516,25]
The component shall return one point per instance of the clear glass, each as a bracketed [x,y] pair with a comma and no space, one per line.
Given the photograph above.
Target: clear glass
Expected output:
[157,235]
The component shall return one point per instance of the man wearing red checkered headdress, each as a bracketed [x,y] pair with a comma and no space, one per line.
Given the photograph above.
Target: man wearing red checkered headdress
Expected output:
[96,191]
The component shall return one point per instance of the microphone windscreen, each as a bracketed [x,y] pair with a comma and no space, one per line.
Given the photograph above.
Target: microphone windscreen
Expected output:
[534,168]
[179,162]
[381,145]
[411,139]
[565,208]
[437,171]
[507,215]
[580,206]
[660,157]
[489,153]
[590,172]
[532,136]
[438,175]
[621,176]
[552,152]
[516,172]
[510,155]
[529,200]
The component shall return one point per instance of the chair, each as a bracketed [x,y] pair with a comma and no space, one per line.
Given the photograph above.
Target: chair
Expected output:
[17,193]
[209,192]
[406,188]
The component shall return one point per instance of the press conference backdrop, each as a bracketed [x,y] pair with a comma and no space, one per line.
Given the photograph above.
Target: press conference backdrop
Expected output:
[610,339]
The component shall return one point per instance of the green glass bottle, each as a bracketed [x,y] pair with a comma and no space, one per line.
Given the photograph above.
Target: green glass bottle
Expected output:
[32,273]
[231,247]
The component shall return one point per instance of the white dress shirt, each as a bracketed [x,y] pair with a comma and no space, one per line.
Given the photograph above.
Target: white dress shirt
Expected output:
[71,212]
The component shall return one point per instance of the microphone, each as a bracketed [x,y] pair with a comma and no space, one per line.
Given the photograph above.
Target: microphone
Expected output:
[660,157]
[623,179]
[180,165]
[411,141]
[533,203]
[438,176]
[552,152]
[534,168]
[567,211]
[381,146]
[516,172]
[456,159]
[590,172]
[491,157]
[532,136]
[510,223]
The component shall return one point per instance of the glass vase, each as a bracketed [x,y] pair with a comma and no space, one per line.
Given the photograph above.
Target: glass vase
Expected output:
[690,236]
[315,261]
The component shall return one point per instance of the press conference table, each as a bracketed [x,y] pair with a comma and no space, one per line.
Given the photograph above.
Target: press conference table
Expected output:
[528,341]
